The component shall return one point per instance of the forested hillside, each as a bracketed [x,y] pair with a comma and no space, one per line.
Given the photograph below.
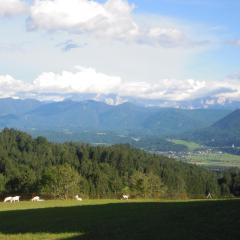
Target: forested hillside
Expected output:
[34,166]
[223,133]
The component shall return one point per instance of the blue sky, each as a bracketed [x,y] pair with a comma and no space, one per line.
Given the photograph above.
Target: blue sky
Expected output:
[222,15]
[157,49]
[222,12]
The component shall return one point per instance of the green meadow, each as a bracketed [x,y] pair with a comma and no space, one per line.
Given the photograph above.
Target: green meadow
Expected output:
[121,220]
[192,146]
[214,159]
[200,155]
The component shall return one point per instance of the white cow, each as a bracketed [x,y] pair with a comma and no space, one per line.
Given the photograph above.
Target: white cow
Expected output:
[209,196]
[78,198]
[8,199]
[125,197]
[15,199]
[35,199]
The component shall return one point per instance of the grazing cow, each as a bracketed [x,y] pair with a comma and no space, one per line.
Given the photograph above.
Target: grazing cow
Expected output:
[209,196]
[8,199]
[15,199]
[78,198]
[125,197]
[35,199]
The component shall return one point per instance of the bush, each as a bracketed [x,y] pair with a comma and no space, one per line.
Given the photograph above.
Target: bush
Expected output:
[60,182]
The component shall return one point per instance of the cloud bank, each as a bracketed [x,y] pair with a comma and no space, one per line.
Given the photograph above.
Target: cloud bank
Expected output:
[57,86]
[109,19]
[10,87]
[112,19]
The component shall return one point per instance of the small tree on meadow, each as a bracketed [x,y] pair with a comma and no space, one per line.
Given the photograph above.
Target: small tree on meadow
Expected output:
[155,186]
[60,181]
[147,185]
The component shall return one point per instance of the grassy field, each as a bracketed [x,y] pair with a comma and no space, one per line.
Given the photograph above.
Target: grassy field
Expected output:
[121,220]
[212,159]
[192,146]
[203,157]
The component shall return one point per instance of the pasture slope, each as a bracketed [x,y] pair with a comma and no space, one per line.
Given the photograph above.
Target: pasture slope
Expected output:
[121,220]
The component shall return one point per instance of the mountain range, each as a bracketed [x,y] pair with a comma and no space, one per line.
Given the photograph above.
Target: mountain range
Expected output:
[205,102]
[68,116]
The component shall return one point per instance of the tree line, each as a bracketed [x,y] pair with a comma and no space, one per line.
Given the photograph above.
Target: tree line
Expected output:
[32,166]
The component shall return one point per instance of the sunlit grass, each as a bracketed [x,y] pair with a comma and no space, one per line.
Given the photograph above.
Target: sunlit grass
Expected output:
[39,236]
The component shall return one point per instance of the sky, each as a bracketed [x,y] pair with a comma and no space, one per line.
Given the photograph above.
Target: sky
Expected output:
[151,49]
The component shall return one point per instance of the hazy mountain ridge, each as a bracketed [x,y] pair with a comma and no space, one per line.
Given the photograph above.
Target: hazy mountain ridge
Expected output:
[230,122]
[223,133]
[98,116]
[10,106]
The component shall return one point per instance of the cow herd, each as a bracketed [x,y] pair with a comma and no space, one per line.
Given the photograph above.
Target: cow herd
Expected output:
[38,199]
[17,199]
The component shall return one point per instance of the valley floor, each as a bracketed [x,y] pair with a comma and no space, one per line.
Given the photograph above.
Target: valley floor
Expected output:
[121,220]
[210,157]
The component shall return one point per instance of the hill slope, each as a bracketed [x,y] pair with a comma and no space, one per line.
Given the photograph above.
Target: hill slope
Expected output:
[230,122]
[223,133]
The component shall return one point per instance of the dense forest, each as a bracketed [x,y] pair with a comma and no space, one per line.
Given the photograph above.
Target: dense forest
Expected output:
[35,166]
[148,143]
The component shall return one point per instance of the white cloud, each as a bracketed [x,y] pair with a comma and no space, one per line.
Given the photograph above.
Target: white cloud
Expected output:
[166,36]
[109,19]
[112,18]
[10,87]
[84,80]
[58,86]
[88,81]
[12,7]
[232,83]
